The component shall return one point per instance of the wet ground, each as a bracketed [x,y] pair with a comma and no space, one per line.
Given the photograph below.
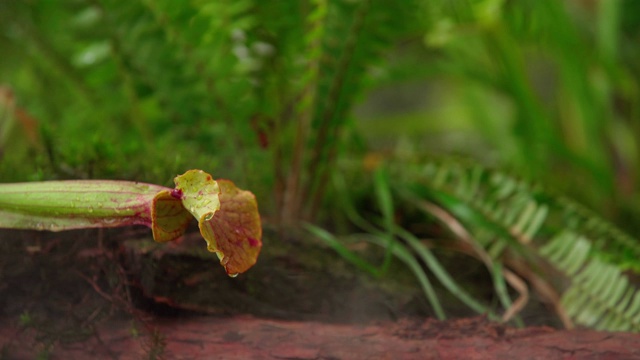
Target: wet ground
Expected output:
[115,294]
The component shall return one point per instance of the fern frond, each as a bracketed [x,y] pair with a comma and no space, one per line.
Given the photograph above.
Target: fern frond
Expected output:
[505,212]
[316,21]
[357,35]
[611,243]
[600,296]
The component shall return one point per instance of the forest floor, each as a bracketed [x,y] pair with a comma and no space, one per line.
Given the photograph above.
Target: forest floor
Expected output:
[83,294]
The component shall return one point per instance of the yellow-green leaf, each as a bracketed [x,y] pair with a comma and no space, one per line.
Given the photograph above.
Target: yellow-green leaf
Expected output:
[199,193]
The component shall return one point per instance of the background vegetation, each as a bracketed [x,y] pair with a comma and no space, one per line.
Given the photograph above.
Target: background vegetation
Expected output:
[316,104]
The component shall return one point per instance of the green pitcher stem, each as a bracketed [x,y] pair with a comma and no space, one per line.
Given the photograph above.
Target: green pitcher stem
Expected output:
[228,219]
[62,205]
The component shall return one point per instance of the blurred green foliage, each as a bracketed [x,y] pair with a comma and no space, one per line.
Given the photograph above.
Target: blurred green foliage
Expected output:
[547,88]
[304,102]
[277,94]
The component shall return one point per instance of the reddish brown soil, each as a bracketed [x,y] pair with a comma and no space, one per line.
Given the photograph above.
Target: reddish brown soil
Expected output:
[252,338]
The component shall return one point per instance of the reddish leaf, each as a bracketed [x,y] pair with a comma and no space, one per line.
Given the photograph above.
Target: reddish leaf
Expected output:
[235,232]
